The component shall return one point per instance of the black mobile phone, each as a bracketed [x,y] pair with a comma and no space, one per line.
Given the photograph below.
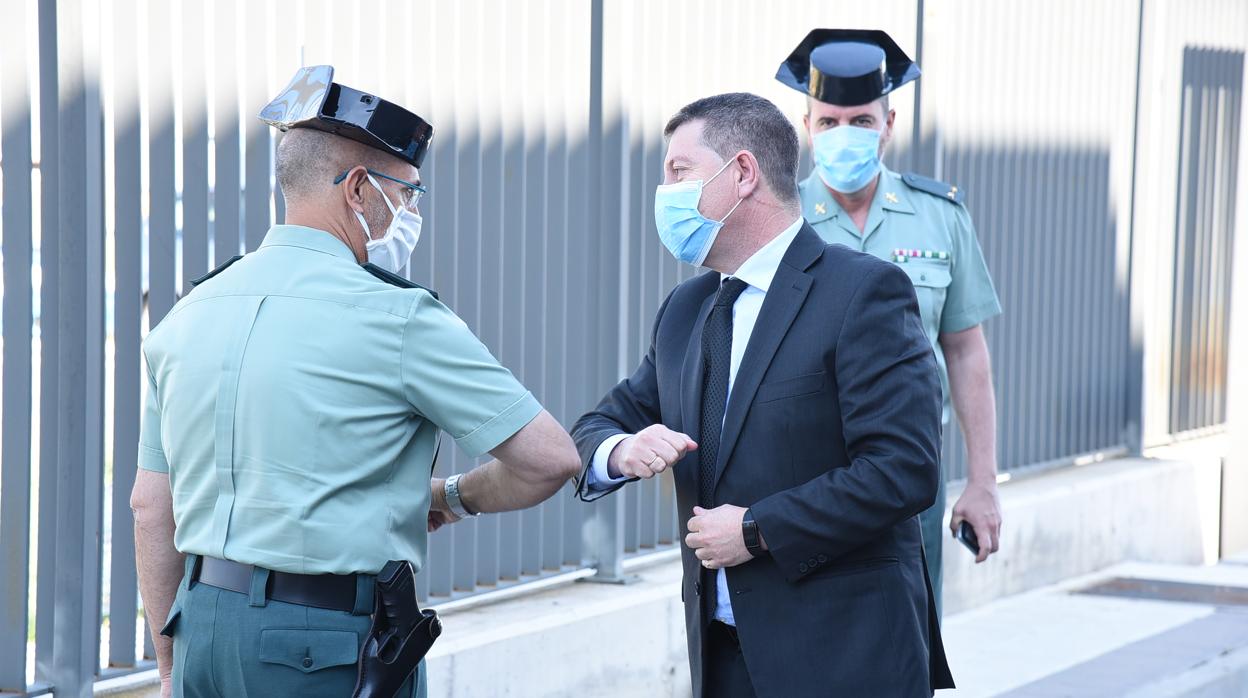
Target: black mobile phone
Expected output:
[966,534]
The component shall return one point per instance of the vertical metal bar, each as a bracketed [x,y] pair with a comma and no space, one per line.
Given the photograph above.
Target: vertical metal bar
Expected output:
[440,216]
[1198,328]
[259,164]
[578,381]
[226,224]
[1235,82]
[1221,233]
[127,330]
[1134,407]
[466,184]
[1180,248]
[49,339]
[15,464]
[554,258]
[511,247]
[79,472]
[162,192]
[194,141]
[283,23]
[602,530]
[534,259]
[483,189]
[918,156]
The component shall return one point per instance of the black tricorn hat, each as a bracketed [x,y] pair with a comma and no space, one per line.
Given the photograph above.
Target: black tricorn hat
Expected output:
[847,67]
[314,100]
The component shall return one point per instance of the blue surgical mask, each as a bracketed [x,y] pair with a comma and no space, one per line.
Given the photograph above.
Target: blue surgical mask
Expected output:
[847,158]
[684,231]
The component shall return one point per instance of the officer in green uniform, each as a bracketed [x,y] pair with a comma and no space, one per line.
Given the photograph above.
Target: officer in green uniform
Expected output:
[291,421]
[920,224]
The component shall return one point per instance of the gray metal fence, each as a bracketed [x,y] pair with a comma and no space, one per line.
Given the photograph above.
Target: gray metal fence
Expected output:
[1213,82]
[131,163]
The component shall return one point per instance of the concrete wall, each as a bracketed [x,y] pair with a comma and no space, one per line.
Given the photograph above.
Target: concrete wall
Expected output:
[583,639]
[1075,521]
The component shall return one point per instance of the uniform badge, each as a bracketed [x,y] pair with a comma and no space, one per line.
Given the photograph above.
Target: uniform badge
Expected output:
[821,209]
[890,198]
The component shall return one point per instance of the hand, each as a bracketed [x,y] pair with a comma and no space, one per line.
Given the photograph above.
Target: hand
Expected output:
[980,506]
[440,513]
[716,538]
[648,452]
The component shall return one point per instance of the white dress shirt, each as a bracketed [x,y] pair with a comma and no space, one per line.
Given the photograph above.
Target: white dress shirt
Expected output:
[757,272]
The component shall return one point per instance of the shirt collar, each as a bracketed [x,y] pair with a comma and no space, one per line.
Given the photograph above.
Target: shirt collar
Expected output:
[818,205]
[760,268]
[308,239]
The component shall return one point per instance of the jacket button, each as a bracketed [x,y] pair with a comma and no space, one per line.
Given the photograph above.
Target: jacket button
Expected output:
[802,568]
[812,562]
[697,588]
[823,559]
[307,662]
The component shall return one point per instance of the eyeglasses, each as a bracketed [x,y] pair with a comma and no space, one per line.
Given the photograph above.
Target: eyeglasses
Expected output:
[409,195]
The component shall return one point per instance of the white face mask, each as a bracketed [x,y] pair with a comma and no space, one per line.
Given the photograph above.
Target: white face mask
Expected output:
[393,250]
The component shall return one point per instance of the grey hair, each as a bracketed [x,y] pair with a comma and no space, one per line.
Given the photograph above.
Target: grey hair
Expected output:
[741,121]
[308,160]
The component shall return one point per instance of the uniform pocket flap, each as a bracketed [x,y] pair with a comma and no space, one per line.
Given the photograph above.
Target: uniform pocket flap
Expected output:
[171,621]
[933,274]
[309,650]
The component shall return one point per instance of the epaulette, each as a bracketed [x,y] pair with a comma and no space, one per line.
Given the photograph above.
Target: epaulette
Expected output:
[934,187]
[394,279]
[218,270]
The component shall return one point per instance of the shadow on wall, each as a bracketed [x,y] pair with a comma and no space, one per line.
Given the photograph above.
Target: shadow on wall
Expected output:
[1061,349]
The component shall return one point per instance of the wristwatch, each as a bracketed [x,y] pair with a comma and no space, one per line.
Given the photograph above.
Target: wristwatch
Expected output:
[749,531]
[453,500]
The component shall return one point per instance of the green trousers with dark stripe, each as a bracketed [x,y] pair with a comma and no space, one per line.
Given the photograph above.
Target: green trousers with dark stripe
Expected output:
[932,522]
[230,645]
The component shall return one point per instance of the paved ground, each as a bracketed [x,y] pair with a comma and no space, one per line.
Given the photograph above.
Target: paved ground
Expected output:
[1131,630]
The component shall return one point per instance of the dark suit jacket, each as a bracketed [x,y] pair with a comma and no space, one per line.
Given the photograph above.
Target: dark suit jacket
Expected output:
[832,438]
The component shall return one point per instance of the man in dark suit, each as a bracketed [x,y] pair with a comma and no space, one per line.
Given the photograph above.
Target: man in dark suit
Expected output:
[795,398]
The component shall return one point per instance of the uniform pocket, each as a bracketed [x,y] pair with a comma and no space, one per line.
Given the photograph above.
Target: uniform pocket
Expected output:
[931,279]
[309,650]
[790,387]
[171,621]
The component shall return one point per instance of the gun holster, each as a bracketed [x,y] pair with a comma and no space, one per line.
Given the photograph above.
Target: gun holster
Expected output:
[400,636]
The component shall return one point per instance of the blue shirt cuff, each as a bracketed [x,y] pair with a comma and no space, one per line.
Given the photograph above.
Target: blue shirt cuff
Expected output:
[599,477]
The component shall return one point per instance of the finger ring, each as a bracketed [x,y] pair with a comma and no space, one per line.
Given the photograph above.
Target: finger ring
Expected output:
[652,460]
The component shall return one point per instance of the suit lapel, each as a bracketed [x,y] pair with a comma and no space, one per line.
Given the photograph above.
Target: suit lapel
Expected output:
[784,299]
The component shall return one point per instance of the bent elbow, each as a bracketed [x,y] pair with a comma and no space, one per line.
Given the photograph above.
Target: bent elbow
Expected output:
[926,489]
[568,464]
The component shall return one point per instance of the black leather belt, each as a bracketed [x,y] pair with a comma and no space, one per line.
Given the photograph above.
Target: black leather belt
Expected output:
[334,592]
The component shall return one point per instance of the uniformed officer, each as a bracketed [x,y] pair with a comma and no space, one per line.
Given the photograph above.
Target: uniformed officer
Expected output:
[921,224]
[293,405]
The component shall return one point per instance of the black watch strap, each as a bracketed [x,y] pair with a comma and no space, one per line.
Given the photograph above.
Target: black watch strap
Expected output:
[749,531]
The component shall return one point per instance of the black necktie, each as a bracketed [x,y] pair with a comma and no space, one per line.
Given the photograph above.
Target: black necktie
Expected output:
[717,355]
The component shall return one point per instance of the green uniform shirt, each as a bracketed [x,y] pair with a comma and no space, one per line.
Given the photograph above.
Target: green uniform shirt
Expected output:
[930,236]
[295,399]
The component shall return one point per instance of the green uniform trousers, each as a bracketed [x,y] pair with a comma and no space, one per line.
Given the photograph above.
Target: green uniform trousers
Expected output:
[932,523]
[231,645]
